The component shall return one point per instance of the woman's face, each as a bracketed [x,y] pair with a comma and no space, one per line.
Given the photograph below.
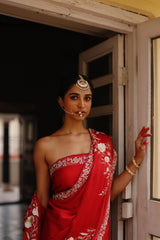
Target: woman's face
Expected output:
[77,103]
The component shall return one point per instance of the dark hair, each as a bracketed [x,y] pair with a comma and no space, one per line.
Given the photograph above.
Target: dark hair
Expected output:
[67,82]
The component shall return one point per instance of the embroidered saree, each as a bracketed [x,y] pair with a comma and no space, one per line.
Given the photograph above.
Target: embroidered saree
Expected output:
[80,205]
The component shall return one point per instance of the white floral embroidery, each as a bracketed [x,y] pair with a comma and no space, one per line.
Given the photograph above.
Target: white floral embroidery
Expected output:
[71,238]
[88,235]
[28,223]
[105,223]
[101,147]
[107,159]
[68,161]
[107,173]
[107,169]
[101,232]
[35,212]
[84,234]
[103,192]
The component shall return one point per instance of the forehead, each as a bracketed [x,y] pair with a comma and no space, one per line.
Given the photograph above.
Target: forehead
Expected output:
[75,89]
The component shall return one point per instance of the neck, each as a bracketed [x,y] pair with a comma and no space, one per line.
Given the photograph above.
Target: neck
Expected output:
[73,127]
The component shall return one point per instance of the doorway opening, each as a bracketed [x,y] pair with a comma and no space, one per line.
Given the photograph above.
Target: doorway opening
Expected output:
[35,68]
[9,158]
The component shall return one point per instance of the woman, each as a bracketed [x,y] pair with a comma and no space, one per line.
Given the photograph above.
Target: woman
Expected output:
[74,173]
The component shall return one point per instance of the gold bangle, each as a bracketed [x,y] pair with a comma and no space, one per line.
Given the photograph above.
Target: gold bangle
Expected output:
[129,171]
[135,164]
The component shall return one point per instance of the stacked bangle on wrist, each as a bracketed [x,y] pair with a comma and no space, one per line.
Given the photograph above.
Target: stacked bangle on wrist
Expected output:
[135,164]
[129,171]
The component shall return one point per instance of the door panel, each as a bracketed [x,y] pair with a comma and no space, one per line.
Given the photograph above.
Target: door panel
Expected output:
[104,65]
[148,213]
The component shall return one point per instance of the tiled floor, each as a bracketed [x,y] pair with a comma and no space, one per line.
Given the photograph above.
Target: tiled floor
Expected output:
[11,214]
[11,221]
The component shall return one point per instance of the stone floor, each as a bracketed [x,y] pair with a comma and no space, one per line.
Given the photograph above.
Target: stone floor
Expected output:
[11,213]
[11,221]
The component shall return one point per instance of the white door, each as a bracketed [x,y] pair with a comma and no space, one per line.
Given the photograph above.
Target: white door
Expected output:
[148,113]
[104,65]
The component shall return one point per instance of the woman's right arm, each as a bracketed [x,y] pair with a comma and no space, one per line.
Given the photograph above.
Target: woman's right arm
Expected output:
[42,173]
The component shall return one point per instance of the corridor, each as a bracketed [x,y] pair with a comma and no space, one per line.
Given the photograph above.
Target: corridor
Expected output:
[11,221]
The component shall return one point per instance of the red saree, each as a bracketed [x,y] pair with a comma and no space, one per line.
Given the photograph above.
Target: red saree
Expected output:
[80,205]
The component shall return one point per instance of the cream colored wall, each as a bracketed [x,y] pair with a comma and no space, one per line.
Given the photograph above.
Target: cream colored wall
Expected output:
[149,8]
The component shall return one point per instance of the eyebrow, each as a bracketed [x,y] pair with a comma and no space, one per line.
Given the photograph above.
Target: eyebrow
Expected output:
[88,94]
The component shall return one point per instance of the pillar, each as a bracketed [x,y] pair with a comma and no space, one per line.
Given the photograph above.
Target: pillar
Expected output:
[6,177]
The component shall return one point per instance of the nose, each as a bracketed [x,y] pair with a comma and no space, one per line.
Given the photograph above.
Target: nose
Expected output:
[81,103]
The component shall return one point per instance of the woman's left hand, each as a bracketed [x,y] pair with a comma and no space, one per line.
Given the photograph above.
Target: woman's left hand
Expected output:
[141,144]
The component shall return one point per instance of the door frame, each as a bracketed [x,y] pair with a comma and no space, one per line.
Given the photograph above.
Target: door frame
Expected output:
[93,18]
[150,209]
[85,16]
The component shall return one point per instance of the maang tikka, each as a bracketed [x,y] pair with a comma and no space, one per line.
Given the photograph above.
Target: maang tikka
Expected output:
[82,84]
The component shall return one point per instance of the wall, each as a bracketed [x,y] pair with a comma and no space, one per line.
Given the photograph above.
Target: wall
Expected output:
[149,8]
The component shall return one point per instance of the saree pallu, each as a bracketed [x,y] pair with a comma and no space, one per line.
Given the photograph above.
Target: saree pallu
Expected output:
[80,205]
[33,219]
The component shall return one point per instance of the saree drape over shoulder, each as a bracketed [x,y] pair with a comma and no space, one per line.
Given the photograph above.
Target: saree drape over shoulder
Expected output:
[80,205]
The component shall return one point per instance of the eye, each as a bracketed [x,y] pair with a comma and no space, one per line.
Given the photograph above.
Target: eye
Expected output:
[88,98]
[74,97]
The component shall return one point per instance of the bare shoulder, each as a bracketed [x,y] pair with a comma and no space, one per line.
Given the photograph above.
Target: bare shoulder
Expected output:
[44,143]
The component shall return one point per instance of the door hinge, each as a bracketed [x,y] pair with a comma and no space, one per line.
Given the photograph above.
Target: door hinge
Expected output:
[124,76]
[127,205]
[127,210]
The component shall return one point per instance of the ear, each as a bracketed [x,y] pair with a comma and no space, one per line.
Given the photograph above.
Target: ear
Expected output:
[60,101]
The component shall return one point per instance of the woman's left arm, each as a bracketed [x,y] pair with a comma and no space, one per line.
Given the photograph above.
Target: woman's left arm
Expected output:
[121,181]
